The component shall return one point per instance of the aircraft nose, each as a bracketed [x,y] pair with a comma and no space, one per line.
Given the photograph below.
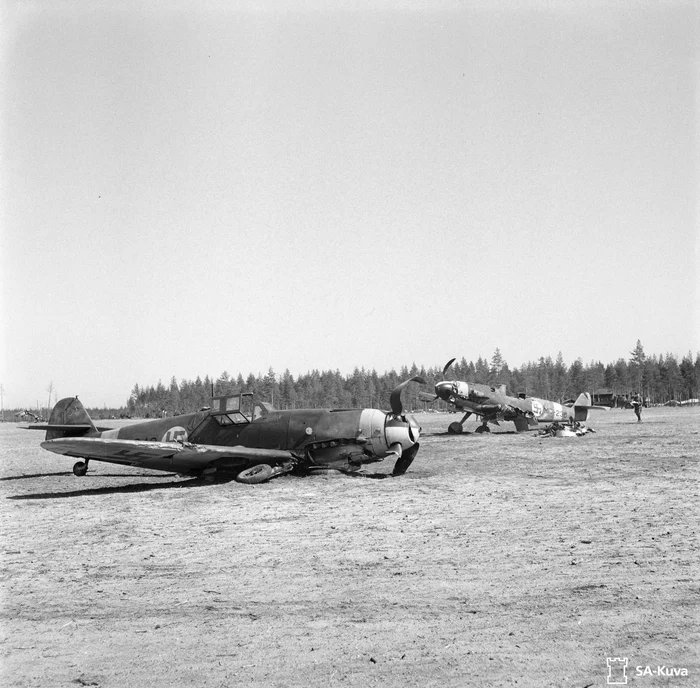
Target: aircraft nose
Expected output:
[443,390]
[403,432]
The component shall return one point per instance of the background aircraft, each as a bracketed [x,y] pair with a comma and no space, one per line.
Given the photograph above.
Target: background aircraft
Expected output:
[492,404]
[240,437]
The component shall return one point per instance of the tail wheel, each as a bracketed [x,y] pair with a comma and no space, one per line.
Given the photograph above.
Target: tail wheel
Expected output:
[80,468]
[255,474]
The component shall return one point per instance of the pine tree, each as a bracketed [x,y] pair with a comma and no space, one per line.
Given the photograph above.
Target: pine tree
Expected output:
[559,378]
[637,367]
[497,364]
[482,371]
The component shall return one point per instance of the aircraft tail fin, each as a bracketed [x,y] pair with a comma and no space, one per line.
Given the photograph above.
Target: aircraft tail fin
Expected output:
[68,419]
[583,405]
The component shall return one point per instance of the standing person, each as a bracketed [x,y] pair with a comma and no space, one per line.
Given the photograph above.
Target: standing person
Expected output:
[637,405]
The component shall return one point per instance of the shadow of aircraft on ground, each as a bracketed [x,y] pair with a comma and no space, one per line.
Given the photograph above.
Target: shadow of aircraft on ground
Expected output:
[118,489]
[96,475]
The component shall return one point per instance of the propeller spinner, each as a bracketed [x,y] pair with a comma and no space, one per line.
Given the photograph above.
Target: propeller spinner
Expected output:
[446,389]
[442,389]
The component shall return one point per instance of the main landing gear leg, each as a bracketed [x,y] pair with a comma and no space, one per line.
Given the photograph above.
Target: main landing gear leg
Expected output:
[458,428]
[209,474]
[81,467]
[484,427]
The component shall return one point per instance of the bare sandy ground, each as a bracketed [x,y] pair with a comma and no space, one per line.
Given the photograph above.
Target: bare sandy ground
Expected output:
[501,560]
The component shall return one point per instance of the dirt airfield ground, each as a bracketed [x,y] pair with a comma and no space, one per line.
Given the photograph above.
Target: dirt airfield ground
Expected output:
[495,561]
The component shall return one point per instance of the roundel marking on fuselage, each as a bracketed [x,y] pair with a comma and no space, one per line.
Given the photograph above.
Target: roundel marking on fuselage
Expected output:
[175,434]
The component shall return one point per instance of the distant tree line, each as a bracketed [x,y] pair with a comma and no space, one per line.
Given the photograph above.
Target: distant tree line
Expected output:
[658,378]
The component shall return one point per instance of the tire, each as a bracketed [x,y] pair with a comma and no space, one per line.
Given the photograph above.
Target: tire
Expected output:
[483,428]
[80,468]
[255,474]
[455,429]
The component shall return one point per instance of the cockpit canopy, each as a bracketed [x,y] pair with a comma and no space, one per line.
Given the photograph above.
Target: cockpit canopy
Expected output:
[231,409]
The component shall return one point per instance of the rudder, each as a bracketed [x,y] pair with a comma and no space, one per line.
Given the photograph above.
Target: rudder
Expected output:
[581,407]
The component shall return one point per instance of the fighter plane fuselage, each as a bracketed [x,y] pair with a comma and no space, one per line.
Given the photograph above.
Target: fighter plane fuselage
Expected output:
[331,433]
[238,432]
[494,405]
[492,401]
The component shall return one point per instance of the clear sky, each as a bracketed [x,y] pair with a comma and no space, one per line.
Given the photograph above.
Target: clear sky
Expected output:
[194,187]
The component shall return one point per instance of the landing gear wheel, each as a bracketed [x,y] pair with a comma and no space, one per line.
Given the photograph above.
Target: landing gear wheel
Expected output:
[256,474]
[282,470]
[80,468]
[483,428]
[455,428]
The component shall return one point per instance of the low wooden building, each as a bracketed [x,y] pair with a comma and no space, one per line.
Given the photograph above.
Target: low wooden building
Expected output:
[604,397]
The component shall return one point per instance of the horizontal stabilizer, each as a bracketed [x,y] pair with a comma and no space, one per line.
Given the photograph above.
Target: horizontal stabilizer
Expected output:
[60,426]
[584,401]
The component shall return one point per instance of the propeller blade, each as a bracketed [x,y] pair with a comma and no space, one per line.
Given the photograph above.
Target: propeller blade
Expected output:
[404,461]
[447,367]
[413,425]
[395,399]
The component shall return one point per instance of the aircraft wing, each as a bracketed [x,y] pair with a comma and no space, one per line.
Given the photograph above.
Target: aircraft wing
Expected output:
[163,456]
